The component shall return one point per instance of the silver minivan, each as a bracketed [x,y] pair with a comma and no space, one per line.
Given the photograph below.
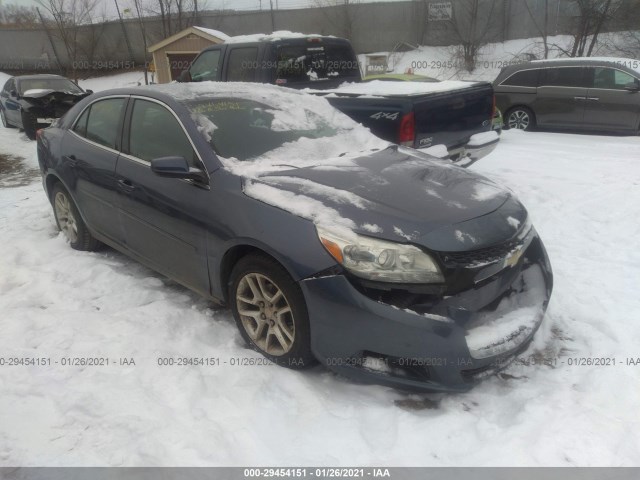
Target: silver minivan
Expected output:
[599,94]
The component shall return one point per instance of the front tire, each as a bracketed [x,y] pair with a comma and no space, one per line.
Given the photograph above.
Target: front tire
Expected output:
[70,222]
[520,118]
[30,125]
[270,311]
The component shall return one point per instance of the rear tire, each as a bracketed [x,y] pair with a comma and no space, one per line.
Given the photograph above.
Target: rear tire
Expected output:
[5,123]
[270,311]
[30,125]
[520,118]
[70,222]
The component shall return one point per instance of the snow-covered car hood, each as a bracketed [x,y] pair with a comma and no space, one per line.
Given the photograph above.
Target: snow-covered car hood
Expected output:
[398,195]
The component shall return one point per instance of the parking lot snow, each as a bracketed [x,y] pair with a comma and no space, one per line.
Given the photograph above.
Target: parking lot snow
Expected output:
[555,407]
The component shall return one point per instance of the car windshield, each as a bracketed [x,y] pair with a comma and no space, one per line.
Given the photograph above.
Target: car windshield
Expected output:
[57,84]
[244,129]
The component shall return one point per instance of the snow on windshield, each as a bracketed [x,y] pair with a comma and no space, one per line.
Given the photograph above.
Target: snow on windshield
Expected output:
[261,129]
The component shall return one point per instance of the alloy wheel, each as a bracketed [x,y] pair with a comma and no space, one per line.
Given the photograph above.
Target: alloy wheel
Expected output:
[519,119]
[265,314]
[65,217]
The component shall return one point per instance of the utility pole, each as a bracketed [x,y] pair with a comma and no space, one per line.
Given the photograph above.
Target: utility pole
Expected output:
[144,41]
[124,32]
[273,19]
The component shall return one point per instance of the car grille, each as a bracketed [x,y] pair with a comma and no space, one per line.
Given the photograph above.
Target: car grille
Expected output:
[483,256]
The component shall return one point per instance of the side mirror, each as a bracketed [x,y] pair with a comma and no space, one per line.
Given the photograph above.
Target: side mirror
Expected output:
[89,91]
[175,167]
[632,86]
[185,77]
[14,94]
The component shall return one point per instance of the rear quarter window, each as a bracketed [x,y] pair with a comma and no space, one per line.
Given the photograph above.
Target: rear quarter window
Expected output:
[524,78]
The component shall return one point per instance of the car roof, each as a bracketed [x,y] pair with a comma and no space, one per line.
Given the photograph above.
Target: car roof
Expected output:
[628,64]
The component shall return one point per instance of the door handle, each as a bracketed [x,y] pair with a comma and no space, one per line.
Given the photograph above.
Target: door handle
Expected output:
[126,186]
[579,98]
[593,99]
[71,160]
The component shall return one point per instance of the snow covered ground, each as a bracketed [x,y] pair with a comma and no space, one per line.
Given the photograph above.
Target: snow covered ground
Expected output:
[583,193]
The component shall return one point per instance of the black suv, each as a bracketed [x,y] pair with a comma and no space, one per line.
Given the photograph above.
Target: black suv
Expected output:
[600,94]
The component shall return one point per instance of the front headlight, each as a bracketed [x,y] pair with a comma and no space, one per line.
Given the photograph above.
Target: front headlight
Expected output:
[379,260]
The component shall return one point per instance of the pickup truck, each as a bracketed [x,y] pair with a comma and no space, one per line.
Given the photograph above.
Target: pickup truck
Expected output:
[416,114]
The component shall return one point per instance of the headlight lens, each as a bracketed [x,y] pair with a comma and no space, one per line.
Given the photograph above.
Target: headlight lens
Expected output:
[379,260]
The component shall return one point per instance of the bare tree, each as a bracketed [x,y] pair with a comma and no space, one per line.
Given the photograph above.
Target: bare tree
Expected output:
[175,15]
[74,24]
[591,17]
[471,23]
[543,29]
[18,16]
[342,14]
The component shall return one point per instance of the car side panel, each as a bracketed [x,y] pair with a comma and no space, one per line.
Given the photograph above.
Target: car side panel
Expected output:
[164,222]
[89,172]
[560,106]
[612,110]
[12,111]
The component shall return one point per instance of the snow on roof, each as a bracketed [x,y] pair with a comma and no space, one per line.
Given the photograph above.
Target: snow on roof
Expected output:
[631,63]
[382,88]
[214,33]
[271,37]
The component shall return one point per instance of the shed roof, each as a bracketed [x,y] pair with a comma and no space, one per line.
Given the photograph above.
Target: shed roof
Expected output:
[206,33]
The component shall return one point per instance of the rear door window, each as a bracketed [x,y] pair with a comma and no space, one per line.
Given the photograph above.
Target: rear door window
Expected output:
[242,64]
[205,67]
[564,77]
[525,78]
[103,122]
[611,78]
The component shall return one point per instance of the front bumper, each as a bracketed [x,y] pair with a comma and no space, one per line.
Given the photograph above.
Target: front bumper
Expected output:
[448,345]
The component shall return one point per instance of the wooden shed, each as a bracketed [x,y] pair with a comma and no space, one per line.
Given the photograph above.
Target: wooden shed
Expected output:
[174,54]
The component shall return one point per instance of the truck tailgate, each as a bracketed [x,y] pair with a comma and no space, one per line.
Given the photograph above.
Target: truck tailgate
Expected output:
[451,118]
[448,117]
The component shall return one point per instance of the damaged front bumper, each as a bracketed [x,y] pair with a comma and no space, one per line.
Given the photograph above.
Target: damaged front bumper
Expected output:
[441,342]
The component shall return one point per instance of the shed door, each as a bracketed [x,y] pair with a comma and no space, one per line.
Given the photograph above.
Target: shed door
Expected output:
[179,62]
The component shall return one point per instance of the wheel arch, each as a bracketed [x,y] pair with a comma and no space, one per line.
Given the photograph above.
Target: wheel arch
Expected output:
[233,255]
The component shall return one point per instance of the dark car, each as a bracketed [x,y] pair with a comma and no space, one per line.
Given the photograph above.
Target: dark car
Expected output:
[32,101]
[597,94]
[328,244]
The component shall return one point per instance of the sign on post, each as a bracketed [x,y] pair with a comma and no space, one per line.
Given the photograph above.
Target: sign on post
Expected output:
[440,11]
